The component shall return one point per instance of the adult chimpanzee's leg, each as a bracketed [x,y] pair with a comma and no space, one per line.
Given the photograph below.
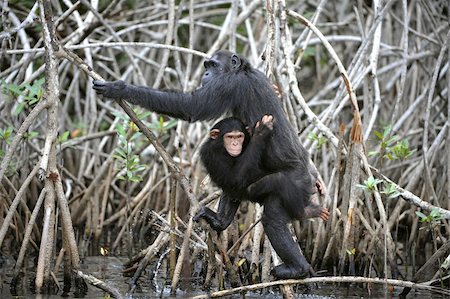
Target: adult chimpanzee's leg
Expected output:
[275,220]
[225,213]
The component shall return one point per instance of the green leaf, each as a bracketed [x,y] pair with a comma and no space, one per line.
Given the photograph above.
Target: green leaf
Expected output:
[373,153]
[30,135]
[121,130]
[19,108]
[121,153]
[379,135]
[64,137]
[421,215]
[13,89]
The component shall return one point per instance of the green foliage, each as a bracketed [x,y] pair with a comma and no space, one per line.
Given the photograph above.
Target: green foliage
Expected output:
[128,162]
[161,127]
[30,93]
[390,147]
[400,151]
[390,190]
[370,184]
[63,137]
[434,217]
[319,139]
[384,139]
[6,135]
[128,134]
[351,252]
[30,135]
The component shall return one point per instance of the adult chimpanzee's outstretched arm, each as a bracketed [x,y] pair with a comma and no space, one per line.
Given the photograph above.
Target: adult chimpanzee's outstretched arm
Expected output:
[199,105]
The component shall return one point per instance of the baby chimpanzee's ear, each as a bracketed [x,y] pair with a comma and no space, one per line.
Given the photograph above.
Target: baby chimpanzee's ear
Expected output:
[214,133]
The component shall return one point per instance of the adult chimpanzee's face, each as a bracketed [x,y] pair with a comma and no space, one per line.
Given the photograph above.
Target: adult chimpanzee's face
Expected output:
[220,63]
[213,67]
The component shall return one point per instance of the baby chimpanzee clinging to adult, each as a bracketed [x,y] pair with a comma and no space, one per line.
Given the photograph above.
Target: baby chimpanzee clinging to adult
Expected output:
[233,161]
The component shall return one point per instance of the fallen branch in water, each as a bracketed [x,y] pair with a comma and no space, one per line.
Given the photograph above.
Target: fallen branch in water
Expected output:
[100,284]
[348,279]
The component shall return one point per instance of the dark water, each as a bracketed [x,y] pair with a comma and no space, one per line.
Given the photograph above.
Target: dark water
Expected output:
[109,269]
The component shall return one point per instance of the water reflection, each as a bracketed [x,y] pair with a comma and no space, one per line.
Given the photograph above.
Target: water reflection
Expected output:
[109,269]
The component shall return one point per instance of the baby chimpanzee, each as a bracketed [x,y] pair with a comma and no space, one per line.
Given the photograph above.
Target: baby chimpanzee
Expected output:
[233,161]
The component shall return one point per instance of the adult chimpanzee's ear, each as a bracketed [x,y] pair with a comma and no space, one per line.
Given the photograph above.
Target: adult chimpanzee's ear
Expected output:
[214,133]
[235,61]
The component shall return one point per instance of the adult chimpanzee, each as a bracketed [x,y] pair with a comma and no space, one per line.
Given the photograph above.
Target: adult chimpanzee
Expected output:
[233,161]
[231,84]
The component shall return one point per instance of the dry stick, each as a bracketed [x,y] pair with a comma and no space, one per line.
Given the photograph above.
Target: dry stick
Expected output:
[191,46]
[244,234]
[41,105]
[46,247]
[172,222]
[199,242]
[293,83]
[257,236]
[448,122]
[389,250]
[358,59]
[91,72]
[183,254]
[99,175]
[100,284]
[27,235]
[48,161]
[433,82]
[169,40]
[265,268]
[404,65]
[106,186]
[346,279]
[15,203]
[351,176]
[306,40]
[430,266]
[28,20]
[232,273]
[333,222]
[373,62]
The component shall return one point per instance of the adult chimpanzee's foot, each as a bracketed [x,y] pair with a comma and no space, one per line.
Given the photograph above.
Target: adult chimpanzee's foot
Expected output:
[284,271]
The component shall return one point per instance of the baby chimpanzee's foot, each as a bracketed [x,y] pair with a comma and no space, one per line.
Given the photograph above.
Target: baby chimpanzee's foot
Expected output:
[284,271]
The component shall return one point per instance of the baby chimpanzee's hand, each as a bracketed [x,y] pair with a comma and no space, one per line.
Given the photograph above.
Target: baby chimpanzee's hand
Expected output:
[265,126]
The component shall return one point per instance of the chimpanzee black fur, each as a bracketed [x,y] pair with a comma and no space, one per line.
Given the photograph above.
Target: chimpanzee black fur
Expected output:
[231,85]
[243,177]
